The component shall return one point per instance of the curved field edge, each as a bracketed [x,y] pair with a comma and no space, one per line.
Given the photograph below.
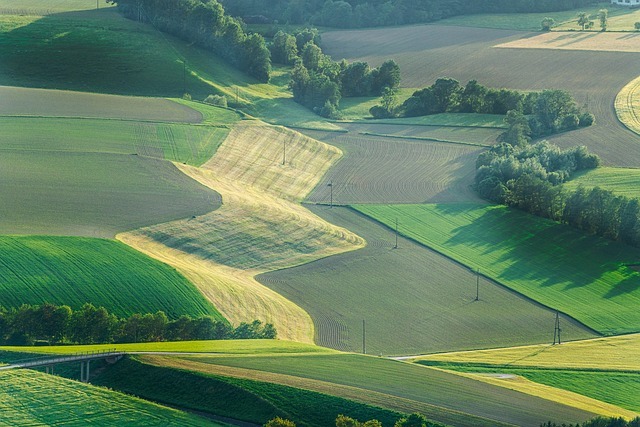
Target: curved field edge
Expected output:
[260,227]
[34,398]
[585,277]
[76,270]
[627,105]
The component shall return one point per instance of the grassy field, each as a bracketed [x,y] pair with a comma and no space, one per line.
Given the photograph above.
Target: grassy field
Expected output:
[452,120]
[628,105]
[391,170]
[417,301]
[619,180]
[41,7]
[439,395]
[33,398]
[73,271]
[254,347]
[583,276]
[618,353]
[620,19]
[259,228]
[427,52]
[242,399]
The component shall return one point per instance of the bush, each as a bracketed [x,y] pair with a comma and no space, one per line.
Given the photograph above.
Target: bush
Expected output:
[217,100]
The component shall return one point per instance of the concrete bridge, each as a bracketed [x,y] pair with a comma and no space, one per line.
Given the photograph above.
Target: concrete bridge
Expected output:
[85,358]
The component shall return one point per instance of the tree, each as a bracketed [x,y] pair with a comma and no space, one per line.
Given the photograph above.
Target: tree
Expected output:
[344,421]
[603,17]
[389,100]
[472,99]
[311,56]
[388,76]
[284,49]
[583,20]
[356,79]
[257,57]
[547,23]
[413,420]
[446,93]
[519,132]
[637,26]
[280,422]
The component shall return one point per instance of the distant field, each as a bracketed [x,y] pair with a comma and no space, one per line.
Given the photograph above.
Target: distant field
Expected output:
[74,271]
[606,42]
[583,276]
[620,19]
[254,347]
[43,7]
[34,398]
[379,169]
[414,301]
[439,395]
[427,52]
[259,228]
[17,101]
[625,182]
[628,105]
[618,353]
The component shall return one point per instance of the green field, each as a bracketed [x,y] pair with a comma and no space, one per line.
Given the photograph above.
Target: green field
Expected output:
[583,276]
[414,300]
[624,182]
[439,395]
[31,398]
[74,271]
[241,399]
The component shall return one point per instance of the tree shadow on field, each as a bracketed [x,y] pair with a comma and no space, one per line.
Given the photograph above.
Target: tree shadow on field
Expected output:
[535,252]
[97,51]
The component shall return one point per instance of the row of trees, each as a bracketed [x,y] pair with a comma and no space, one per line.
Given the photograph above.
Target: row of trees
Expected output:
[319,83]
[367,13]
[204,23]
[413,420]
[584,20]
[95,325]
[599,422]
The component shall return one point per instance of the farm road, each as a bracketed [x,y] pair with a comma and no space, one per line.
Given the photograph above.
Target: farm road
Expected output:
[413,299]
[427,52]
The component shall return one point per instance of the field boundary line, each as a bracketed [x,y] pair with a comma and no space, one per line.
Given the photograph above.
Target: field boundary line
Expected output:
[423,138]
[599,334]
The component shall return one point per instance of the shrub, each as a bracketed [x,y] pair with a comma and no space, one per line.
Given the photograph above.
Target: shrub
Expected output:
[217,100]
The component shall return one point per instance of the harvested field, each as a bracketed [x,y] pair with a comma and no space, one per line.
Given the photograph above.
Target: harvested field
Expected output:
[260,227]
[586,277]
[390,170]
[18,101]
[428,52]
[628,106]
[73,271]
[32,398]
[413,300]
[442,396]
[607,42]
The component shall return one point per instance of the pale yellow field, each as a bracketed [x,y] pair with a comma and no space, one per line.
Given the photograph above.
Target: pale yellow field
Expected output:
[523,385]
[614,353]
[578,40]
[259,228]
[620,19]
[628,105]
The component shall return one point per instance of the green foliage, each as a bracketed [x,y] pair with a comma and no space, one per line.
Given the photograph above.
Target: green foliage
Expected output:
[217,100]
[416,420]
[603,17]
[636,25]
[344,421]
[586,277]
[547,23]
[284,49]
[583,20]
[280,422]
[599,422]
[72,271]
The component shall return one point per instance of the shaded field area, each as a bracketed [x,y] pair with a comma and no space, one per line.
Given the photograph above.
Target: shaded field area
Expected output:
[441,396]
[18,101]
[378,169]
[428,52]
[34,398]
[237,398]
[586,277]
[73,271]
[621,181]
[412,299]
[93,194]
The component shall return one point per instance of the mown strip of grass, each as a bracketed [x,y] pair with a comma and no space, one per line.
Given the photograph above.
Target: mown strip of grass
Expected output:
[586,277]
[74,271]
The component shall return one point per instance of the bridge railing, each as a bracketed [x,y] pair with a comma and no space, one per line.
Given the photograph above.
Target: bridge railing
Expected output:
[56,359]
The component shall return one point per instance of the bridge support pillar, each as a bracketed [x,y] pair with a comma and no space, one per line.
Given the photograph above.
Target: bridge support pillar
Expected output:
[84,372]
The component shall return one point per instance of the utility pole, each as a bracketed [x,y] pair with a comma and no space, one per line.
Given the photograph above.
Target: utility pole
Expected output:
[556,330]
[396,246]
[330,185]
[364,337]
[477,285]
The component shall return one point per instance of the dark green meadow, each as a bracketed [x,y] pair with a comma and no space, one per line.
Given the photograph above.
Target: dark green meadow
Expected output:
[74,271]
[586,277]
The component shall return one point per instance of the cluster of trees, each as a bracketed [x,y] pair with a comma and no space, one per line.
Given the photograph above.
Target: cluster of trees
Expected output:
[528,178]
[584,20]
[319,83]
[204,23]
[599,422]
[368,13]
[413,420]
[95,325]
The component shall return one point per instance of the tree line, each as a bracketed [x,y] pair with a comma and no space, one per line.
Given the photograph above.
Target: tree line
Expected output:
[370,13]
[53,324]
[599,422]
[204,23]
[319,83]
[413,420]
